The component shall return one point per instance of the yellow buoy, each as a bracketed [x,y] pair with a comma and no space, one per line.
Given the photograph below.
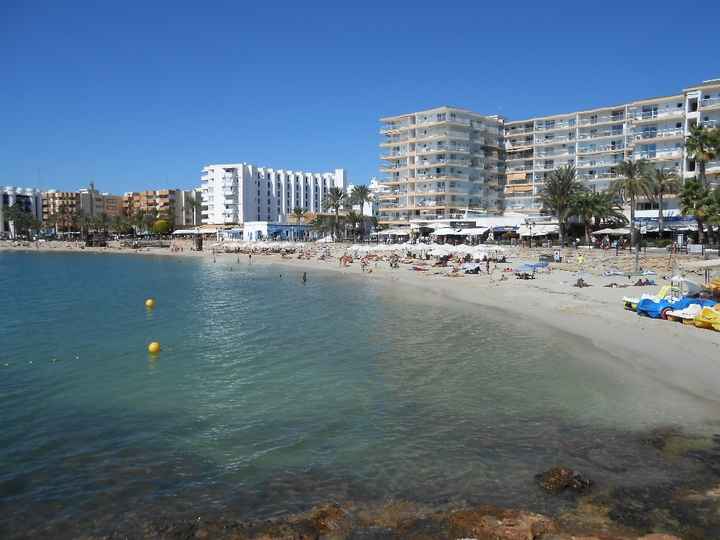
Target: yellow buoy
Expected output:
[150,303]
[154,347]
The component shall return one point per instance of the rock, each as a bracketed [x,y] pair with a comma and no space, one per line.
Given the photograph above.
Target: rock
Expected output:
[656,536]
[330,518]
[558,479]
[486,523]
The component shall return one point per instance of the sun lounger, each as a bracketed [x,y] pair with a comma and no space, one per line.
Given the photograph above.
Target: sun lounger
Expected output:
[685,316]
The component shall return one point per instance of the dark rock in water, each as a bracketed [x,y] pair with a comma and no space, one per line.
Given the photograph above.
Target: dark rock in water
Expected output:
[559,479]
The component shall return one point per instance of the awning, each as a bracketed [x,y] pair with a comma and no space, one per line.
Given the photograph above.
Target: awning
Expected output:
[538,230]
[612,232]
[395,232]
[447,231]
[195,231]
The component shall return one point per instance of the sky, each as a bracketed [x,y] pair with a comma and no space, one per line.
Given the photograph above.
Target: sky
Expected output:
[141,95]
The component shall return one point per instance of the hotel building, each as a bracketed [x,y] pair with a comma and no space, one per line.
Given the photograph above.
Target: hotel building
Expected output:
[241,192]
[594,141]
[440,162]
[63,205]
[29,199]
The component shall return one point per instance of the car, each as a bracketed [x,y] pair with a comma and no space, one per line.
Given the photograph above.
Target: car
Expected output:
[660,308]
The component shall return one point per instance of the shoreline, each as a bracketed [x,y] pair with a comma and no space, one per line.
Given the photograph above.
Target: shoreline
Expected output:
[593,315]
[680,356]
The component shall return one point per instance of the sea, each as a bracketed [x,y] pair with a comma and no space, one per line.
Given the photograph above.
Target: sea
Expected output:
[272,394]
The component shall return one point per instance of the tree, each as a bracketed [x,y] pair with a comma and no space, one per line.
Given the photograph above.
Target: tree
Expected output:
[354,219]
[663,183]
[713,213]
[161,226]
[694,199]
[592,208]
[298,213]
[702,146]
[633,183]
[335,199]
[361,195]
[559,190]
[23,220]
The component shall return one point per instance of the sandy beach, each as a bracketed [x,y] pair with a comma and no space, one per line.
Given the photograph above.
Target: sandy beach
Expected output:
[683,356]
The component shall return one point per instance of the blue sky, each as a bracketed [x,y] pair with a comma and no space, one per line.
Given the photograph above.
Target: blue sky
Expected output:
[139,95]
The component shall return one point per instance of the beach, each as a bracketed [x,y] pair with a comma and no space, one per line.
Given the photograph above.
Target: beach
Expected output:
[678,354]
[671,365]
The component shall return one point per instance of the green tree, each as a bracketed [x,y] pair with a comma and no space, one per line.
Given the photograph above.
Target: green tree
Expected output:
[334,200]
[560,188]
[664,182]
[22,220]
[702,145]
[694,199]
[361,195]
[712,216]
[633,183]
[591,208]
[161,226]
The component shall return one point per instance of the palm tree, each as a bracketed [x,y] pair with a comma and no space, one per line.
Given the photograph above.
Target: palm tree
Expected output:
[560,189]
[298,213]
[694,199]
[713,213]
[354,219]
[591,208]
[335,199]
[632,184]
[360,195]
[702,146]
[22,219]
[663,182]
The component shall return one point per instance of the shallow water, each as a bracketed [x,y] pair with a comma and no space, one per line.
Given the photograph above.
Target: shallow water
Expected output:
[270,395]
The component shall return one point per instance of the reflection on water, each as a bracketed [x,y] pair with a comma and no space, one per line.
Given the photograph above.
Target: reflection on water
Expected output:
[269,395]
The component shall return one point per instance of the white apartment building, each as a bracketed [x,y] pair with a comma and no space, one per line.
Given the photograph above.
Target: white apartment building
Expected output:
[595,141]
[29,199]
[439,163]
[456,151]
[240,192]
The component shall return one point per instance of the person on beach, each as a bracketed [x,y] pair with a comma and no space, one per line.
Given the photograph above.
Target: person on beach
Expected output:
[250,258]
[304,277]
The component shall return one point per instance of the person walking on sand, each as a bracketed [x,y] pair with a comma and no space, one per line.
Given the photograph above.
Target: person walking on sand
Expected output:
[250,258]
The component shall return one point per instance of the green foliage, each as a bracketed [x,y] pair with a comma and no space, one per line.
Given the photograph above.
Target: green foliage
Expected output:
[161,226]
[560,189]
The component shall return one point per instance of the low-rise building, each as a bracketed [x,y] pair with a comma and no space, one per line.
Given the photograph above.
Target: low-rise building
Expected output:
[28,199]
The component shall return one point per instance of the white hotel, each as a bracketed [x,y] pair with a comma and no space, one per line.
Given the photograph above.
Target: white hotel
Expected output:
[594,141]
[241,192]
[29,199]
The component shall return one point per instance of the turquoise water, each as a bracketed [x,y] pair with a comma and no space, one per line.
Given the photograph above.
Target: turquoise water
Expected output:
[270,395]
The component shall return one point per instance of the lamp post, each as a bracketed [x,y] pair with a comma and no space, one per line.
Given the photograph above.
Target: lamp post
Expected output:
[530,226]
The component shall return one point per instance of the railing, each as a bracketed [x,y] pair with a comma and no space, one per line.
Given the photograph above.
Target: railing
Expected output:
[660,155]
[556,125]
[711,123]
[652,115]
[519,169]
[606,148]
[598,176]
[554,140]
[709,102]
[598,135]
[601,120]
[521,131]
[657,134]
[583,164]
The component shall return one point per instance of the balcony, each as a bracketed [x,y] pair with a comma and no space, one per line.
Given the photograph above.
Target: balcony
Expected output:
[520,168]
[711,124]
[599,149]
[519,131]
[605,119]
[554,126]
[710,103]
[600,134]
[665,133]
[660,156]
[598,176]
[591,164]
[650,116]
[555,140]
